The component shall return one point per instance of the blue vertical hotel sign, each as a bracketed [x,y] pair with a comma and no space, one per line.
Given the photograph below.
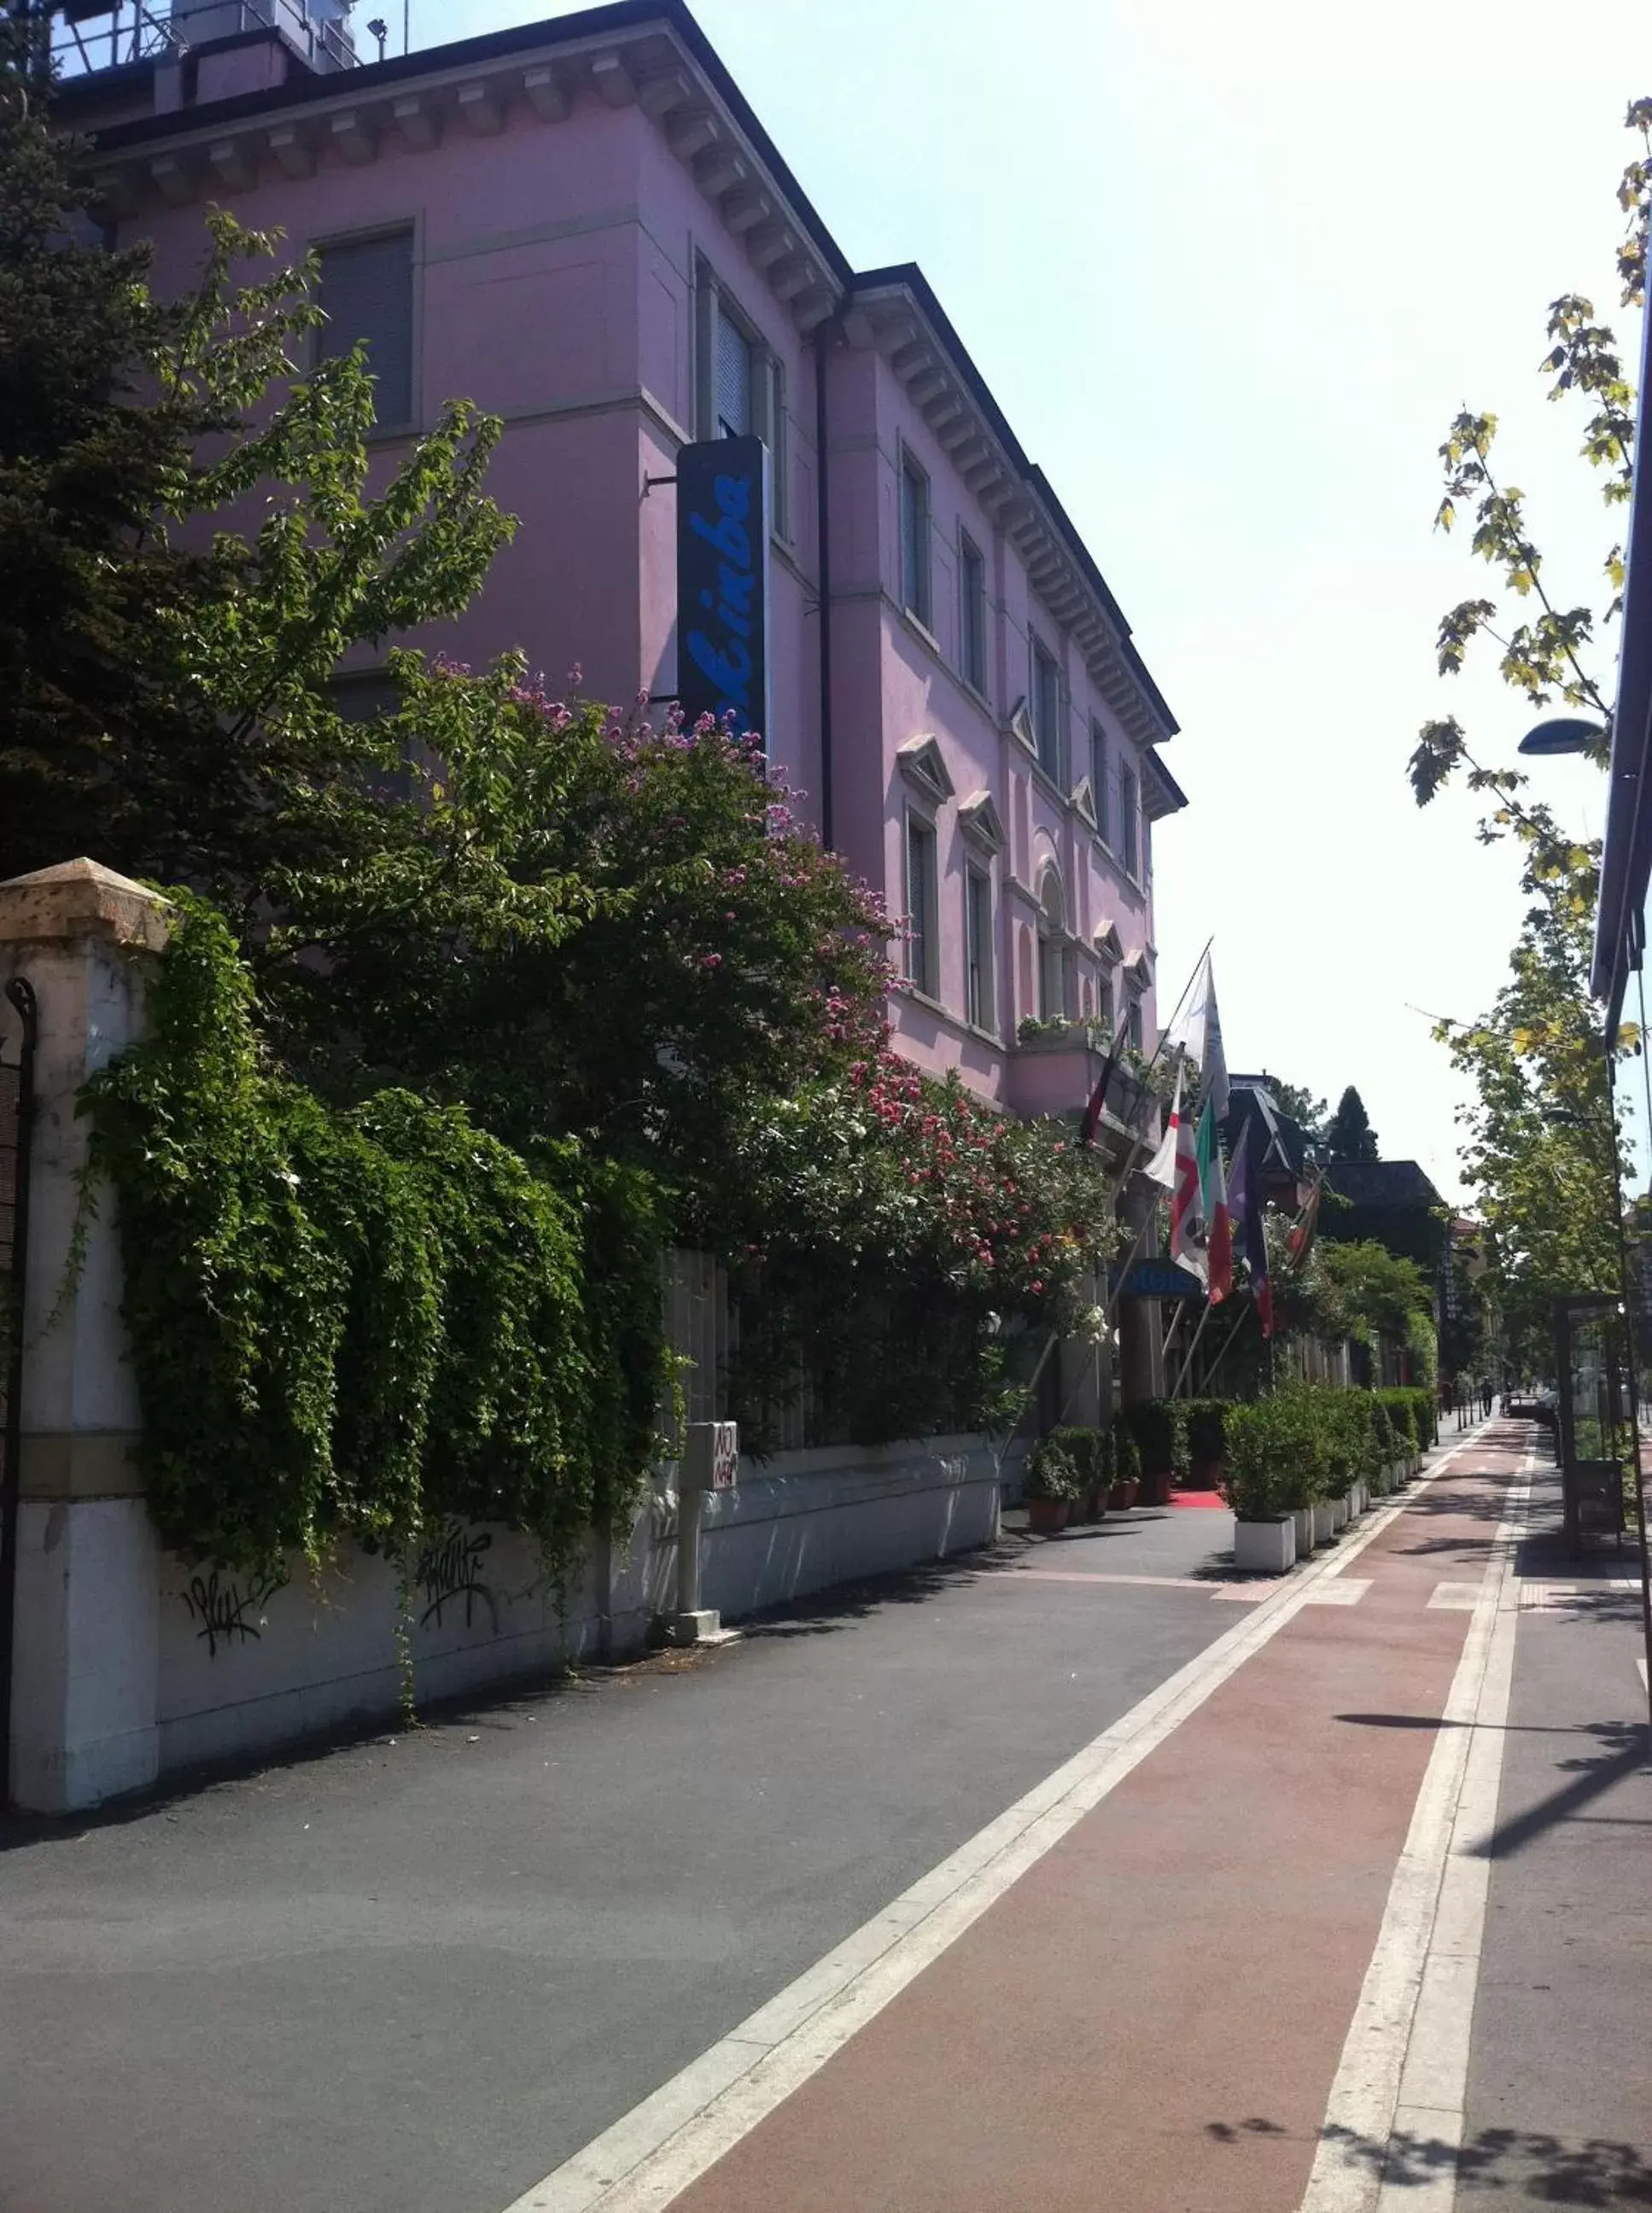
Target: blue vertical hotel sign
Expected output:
[722,580]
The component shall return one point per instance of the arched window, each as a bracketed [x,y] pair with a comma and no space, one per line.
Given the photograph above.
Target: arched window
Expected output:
[1052,946]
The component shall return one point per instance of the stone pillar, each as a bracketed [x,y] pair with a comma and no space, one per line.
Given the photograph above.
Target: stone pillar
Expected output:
[1083,1373]
[1141,1357]
[86,1641]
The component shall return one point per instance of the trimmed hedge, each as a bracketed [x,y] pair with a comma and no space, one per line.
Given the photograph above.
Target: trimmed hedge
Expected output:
[1307,1443]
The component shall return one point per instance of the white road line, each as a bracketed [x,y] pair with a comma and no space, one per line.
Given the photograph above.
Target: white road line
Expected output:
[653,2153]
[1404,2071]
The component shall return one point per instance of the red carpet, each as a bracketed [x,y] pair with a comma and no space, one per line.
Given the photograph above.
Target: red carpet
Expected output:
[1197,1498]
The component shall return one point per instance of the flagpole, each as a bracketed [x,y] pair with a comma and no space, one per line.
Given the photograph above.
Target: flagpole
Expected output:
[1244,1316]
[1176,1388]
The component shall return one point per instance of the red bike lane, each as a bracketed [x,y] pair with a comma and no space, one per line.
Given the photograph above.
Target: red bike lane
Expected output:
[1152,2016]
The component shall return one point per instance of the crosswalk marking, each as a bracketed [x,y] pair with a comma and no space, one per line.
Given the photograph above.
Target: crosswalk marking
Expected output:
[1455,1598]
[1341,1590]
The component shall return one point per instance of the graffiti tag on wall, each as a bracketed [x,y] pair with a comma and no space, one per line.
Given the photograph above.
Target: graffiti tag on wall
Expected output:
[450,1569]
[228,1611]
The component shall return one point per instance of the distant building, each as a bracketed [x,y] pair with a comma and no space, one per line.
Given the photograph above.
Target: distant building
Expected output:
[1284,1149]
[1393,1204]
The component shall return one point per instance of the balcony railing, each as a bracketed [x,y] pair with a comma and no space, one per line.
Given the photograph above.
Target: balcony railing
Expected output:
[98,37]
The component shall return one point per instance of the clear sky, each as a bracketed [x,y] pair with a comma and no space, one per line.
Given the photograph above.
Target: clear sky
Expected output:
[1230,271]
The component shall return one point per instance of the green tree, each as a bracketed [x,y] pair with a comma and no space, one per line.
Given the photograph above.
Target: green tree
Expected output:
[164,677]
[1349,1135]
[1539,1151]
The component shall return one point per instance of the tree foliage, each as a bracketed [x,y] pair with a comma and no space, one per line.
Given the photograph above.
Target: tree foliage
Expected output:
[1541,1148]
[351,1323]
[1349,1135]
[165,669]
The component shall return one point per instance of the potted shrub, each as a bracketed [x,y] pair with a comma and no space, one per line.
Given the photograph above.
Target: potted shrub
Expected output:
[1052,1484]
[1205,1430]
[1086,1450]
[1157,1425]
[1265,1534]
[1126,1469]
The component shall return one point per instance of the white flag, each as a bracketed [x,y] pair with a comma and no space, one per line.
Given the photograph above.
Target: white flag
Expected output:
[1198,1031]
[1161,1169]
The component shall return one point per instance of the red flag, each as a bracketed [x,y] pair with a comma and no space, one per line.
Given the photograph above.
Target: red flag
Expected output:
[1300,1242]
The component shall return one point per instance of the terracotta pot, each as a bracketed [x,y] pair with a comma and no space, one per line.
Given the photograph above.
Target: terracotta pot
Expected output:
[1045,1517]
[1122,1497]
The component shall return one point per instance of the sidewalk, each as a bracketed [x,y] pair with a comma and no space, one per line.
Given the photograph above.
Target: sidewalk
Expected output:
[1559,2106]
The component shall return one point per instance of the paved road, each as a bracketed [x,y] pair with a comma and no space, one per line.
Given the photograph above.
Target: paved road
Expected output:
[1258,1900]
[412,1977]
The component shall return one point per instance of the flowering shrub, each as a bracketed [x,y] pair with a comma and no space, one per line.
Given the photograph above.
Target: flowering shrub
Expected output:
[592,925]
[911,1231]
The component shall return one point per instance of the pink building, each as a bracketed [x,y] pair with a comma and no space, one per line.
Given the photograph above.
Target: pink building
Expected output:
[582,227]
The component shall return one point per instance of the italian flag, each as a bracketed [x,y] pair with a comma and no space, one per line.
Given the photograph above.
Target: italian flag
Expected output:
[1213,1201]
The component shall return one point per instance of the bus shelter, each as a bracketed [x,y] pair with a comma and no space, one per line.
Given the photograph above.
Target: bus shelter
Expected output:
[1594,1438]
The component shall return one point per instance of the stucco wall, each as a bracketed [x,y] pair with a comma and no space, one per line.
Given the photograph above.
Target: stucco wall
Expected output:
[242,1668]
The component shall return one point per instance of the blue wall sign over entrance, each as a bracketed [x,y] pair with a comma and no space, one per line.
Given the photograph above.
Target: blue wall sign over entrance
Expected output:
[722,580]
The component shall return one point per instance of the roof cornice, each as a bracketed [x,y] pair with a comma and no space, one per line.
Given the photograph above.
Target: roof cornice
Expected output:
[895,311]
[652,56]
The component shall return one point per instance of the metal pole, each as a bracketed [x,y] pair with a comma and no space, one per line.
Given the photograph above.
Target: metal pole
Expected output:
[1192,1350]
[1626,1298]
[20,993]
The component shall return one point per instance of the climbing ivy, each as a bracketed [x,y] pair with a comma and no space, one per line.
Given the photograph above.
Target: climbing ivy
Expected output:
[354,1321]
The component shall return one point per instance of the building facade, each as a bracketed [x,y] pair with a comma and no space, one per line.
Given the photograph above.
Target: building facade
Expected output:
[583,227]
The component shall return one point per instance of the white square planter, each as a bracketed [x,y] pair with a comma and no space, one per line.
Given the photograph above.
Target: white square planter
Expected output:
[1265,1548]
[1325,1522]
[1339,1512]
[1302,1517]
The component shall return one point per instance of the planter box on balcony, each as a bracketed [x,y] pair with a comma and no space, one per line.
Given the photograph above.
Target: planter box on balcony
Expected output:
[1050,1071]
[1265,1548]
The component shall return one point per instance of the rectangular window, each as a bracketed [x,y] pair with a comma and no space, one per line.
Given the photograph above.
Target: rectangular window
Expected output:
[1052,980]
[914,539]
[1098,791]
[1135,1024]
[1129,829]
[978,947]
[366,293]
[920,906]
[972,572]
[364,696]
[1104,999]
[1046,709]
[733,376]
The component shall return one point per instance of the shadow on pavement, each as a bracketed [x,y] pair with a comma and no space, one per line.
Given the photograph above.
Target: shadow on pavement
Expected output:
[1534,2164]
